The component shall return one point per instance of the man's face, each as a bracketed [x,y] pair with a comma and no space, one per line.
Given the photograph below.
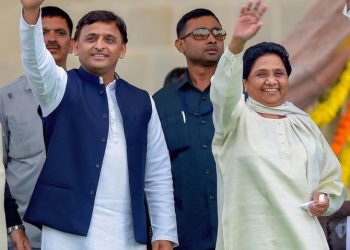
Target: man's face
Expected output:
[57,39]
[201,52]
[99,47]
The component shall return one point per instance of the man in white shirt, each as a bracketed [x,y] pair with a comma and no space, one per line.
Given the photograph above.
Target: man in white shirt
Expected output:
[106,153]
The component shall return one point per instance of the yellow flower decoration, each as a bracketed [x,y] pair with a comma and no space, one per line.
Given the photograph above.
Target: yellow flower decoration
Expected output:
[326,111]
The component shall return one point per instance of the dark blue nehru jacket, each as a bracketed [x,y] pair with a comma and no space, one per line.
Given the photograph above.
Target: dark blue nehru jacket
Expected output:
[75,136]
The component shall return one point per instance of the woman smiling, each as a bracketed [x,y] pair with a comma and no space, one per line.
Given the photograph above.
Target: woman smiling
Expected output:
[276,172]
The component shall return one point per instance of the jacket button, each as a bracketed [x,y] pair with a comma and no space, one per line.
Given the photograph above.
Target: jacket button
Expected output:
[98,165]
[105,116]
[204,146]
[101,92]
[103,139]
[207,172]
[211,197]
[203,121]
[92,192]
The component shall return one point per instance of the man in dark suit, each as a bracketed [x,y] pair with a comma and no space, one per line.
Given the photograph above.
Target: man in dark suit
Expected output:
[185,111]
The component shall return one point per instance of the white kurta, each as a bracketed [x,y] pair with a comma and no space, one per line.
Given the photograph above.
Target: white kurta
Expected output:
[111,224]
[112,209]
[262,174]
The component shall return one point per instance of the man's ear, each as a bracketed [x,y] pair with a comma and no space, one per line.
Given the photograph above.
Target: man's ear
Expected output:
[71,46]
[179,44]
[123,51]
[75,47]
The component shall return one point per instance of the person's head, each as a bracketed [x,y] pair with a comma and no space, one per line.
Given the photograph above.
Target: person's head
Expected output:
[174,75]
[200,37]
[100,40]
[57,29]
[266,69]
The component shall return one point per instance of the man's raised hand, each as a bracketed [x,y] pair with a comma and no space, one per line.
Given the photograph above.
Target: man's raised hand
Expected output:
[31,10]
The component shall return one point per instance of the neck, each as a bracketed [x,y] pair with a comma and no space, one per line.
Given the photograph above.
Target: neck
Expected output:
[271,116]
[62,64]
[200,76]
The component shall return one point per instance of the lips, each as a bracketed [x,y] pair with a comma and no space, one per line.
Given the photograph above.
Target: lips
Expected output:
[52,49]
[212,49]
[99,56]
[271,90]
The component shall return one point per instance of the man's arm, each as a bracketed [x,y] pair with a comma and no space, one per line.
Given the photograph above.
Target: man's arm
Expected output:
[159,186]
[18,236]
[46,79]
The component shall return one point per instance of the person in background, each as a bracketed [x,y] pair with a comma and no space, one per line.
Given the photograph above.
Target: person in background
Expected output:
[3,240]
[185,112]
[174,75]
[276,171]
[107,167]
[23,143]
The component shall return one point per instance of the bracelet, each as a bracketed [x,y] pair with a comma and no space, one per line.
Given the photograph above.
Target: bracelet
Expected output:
[13,228]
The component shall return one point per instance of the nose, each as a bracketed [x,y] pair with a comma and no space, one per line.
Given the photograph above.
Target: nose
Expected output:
[271,80]
[211,38]
[99,44]
[50,36]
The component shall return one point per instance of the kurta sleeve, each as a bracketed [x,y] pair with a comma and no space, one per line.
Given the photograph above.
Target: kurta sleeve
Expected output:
[330,181]
[226,91]
[159,183]
[47,80]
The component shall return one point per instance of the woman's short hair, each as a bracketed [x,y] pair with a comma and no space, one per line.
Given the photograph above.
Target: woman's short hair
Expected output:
[260,49]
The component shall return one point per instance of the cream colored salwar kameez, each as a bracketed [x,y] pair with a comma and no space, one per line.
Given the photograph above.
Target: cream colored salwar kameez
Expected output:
[265,172]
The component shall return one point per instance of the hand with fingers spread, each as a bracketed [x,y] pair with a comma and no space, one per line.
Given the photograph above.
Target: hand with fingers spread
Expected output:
[247,24]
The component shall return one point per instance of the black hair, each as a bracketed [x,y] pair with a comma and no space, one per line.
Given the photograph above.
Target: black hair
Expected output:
[53,11]
[260,49]
[101,16]
[174,75]
[196,13]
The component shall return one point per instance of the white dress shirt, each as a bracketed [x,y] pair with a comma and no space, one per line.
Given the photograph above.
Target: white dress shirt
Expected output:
[111,224]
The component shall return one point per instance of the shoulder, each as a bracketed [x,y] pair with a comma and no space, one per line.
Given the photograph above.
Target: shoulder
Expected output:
[168,91]
[18,85]
[130,87]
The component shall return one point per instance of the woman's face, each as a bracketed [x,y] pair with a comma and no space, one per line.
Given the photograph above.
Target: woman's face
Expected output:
[267,82]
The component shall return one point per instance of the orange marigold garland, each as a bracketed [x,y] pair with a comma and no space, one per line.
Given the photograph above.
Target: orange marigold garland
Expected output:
[342,132]
[344,159]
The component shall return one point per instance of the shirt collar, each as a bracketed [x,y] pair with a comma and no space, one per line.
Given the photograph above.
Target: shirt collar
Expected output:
[186,83]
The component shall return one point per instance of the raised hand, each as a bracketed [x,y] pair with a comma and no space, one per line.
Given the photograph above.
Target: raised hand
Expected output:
[247,24]
[31,4]
[249,21]
[31,10]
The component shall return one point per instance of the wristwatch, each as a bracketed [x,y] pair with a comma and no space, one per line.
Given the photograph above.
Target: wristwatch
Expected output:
[16,227]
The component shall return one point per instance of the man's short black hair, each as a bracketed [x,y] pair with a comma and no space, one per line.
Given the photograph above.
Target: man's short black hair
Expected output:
[196,13]
[260,49]
[53,11]
[101,16]
[175,75]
